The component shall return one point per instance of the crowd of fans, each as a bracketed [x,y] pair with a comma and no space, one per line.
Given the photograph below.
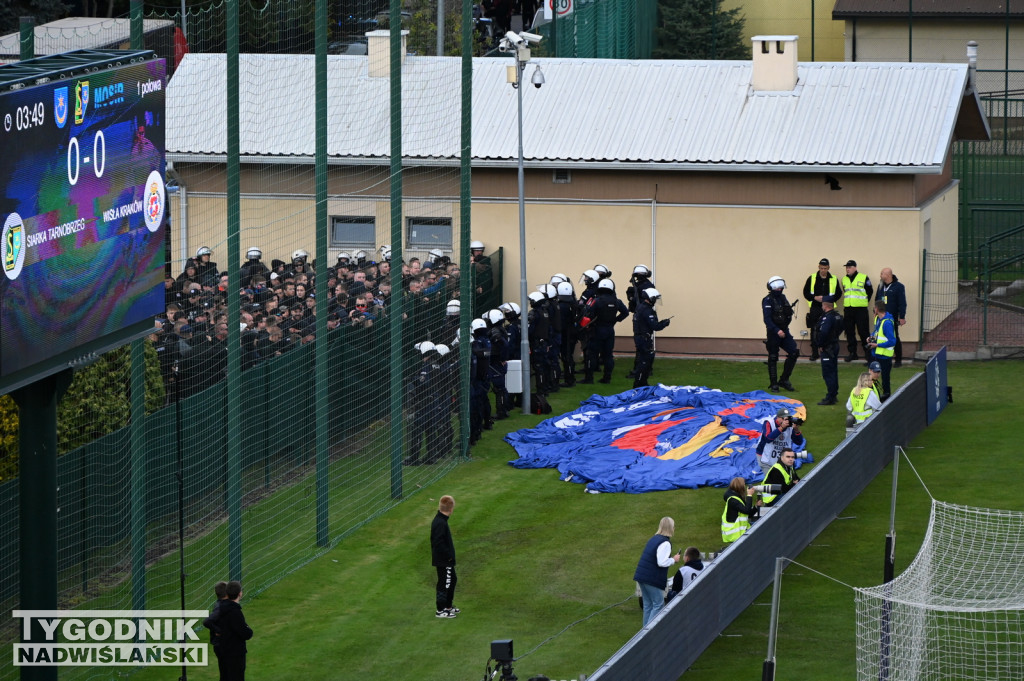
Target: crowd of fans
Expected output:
[278,307]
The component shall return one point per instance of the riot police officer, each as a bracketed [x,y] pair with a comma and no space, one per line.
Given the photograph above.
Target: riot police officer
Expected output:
[555,339]
[645,323]
[425,422]
[539,328]
[568,312]
[777,313]
[604,311]
[827,336]
[206,270]
[640,281]
[480,362]
[253,265]
[499,361]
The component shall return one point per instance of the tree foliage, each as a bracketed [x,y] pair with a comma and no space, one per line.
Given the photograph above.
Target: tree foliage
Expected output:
[98,402]
[699,29]
[44,11]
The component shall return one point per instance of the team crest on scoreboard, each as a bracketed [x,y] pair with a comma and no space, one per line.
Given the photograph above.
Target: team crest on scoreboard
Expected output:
[155,201]
[13,246]
[60,106]
[81,101]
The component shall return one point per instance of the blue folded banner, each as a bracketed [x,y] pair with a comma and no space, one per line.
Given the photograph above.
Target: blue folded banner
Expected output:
[654,438]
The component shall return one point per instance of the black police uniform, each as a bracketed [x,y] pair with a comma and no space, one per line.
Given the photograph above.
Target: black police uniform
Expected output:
[633,297]
[608,311]
[816,286]
[479,406]
[426,421]
[568,312]
[497,370]
[539,328]
[645,323]
[777,313]
[827,334]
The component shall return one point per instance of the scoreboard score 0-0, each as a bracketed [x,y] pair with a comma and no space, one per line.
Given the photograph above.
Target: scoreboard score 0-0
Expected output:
[83,205]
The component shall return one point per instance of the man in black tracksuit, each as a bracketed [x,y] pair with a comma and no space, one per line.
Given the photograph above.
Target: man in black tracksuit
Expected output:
[442,553]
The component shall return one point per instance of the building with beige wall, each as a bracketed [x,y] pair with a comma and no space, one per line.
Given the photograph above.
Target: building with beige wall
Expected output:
[882,30]
[693,168]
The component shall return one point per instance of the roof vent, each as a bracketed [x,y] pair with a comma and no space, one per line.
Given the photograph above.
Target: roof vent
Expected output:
[775,61]
[378,49]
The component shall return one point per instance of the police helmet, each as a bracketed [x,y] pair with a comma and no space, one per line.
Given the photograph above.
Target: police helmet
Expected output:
[510,309]
[426,346]
[476,246]
[442,349]
[589,277]
[385,252]
[641,271]
[477,325]
[606,285]
[299,255]
[548,290]
[360,257]
[344,257]
[435,253]
[536,297]
[565,289]
[652,294]
[452,308]
[494,316]
[776,283]
[203,250]
[557,279]
[603,271]
[253,253]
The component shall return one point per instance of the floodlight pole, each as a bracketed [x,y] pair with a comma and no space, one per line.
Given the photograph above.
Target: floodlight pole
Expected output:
[768,669]
[521,54]
[890,539]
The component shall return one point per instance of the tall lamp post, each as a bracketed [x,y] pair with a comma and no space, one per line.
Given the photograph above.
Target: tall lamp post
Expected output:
[518,45]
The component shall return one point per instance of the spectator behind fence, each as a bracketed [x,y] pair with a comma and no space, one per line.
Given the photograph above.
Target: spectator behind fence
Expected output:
[652,569]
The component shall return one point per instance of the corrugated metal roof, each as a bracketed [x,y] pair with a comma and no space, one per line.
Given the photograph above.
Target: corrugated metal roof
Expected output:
[875,116]
[958,9]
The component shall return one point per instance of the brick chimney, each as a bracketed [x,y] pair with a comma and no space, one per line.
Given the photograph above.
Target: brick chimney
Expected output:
[775,60]
[378,51]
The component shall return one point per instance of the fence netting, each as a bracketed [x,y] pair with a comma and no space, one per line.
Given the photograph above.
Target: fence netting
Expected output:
[301,490]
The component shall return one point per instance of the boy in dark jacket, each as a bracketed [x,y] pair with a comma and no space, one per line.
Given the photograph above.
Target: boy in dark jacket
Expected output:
[442,553]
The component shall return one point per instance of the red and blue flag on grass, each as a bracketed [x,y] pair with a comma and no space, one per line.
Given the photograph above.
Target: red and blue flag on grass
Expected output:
[654,438]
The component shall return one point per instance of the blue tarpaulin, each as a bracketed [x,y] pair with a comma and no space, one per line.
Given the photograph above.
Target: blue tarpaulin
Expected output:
[654,438]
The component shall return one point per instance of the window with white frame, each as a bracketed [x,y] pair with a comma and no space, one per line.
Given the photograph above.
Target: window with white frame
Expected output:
[427,233]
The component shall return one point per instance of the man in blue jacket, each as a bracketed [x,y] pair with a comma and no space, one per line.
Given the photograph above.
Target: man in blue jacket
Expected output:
[892,292]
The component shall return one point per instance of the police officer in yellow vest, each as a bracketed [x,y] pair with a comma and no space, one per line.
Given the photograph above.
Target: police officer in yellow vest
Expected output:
[783,474]
[857,292]
[819,284]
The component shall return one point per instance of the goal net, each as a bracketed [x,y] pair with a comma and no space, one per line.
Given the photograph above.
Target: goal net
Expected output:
[957,612]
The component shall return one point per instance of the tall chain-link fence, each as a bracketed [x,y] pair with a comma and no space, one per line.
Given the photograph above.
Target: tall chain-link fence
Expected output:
[289,398]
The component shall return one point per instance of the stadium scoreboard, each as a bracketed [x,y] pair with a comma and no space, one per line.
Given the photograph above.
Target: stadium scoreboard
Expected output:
[83,206]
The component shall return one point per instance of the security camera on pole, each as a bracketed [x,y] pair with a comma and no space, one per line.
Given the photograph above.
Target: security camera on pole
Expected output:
[519,47]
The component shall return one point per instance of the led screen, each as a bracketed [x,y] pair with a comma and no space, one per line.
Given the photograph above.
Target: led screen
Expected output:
[82,204]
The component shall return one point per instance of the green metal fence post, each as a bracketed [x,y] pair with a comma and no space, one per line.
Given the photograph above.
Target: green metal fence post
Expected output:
[27,38]
[924,283]
[234,215]
[37,502]
[321,372]
[138,475]
[465,216]
[397,360]
[135,25]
